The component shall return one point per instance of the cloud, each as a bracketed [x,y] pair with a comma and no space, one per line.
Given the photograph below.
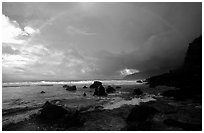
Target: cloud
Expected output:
[30,30]
[101,40]
[76,31]
[11,31]
[126,71]
[9,50]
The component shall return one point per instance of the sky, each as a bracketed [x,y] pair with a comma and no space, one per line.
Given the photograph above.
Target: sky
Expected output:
[74,41]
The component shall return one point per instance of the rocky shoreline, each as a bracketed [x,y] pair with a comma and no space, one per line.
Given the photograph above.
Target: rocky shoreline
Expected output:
[162,114]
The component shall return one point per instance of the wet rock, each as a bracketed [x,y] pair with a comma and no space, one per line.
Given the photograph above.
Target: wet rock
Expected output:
[99,107]
[137,92]
[65,86]
[85,87]
[140,117]
[100,91]
[59,116]
[72,119]
[110,89]
[52,112]
[185,126]
[42,92]
[169,93]
[71,88]
[139,81]
[141,113]
[96,84]
[162,107]
[177,94]
[84,94]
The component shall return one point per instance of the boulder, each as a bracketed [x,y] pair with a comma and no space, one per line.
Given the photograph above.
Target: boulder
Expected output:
[141,113]
[140,117]
[100,91]
[42,92]
[96,84]
[52,112]
[110,89]
[85,87]
[60,116]
[71,88]
[99,107]
[179,94]
[117,87]
[170,93]
[65,86]
[185,126]
[84,94]
[137,92]
[139,81]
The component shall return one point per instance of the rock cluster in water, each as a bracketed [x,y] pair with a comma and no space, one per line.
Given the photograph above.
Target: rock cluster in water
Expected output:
[110,89]
[100,91]
[70,88]
[96,84]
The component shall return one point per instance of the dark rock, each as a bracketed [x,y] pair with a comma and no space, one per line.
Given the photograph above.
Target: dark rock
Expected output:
[99,107]
[96,84]
[141,113]
[46,85]
[162,107]
[110,89]
[65,86]
[185,126]
[100,91]
[85,87]
[188,77]
[139,81]
[170,93]
[72,119]
[84,94]
[42,92]
[59,116]
[177,94]
[52,112]
[117,87]
[137,92]
[140,117]
[71,88]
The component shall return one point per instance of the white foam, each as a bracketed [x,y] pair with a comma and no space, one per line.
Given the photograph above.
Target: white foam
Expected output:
[105,82]
[134,101]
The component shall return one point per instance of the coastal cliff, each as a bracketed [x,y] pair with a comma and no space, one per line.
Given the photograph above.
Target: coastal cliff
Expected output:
[189,76]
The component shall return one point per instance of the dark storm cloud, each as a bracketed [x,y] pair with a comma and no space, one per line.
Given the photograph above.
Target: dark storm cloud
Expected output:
[98,40]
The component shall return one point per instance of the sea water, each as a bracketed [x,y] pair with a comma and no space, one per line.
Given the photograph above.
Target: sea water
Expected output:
[18,96]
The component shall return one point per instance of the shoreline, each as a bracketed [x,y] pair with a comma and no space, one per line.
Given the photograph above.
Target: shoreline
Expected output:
[104,109]
[118,98]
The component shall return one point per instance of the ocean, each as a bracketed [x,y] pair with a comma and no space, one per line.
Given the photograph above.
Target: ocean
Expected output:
[20,99]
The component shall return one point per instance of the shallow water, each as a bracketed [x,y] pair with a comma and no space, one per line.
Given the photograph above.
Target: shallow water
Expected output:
[23,94]
[120,102]
[26,97]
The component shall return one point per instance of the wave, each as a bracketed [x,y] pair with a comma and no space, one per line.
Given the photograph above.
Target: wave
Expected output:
[51,83]
[10,111]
